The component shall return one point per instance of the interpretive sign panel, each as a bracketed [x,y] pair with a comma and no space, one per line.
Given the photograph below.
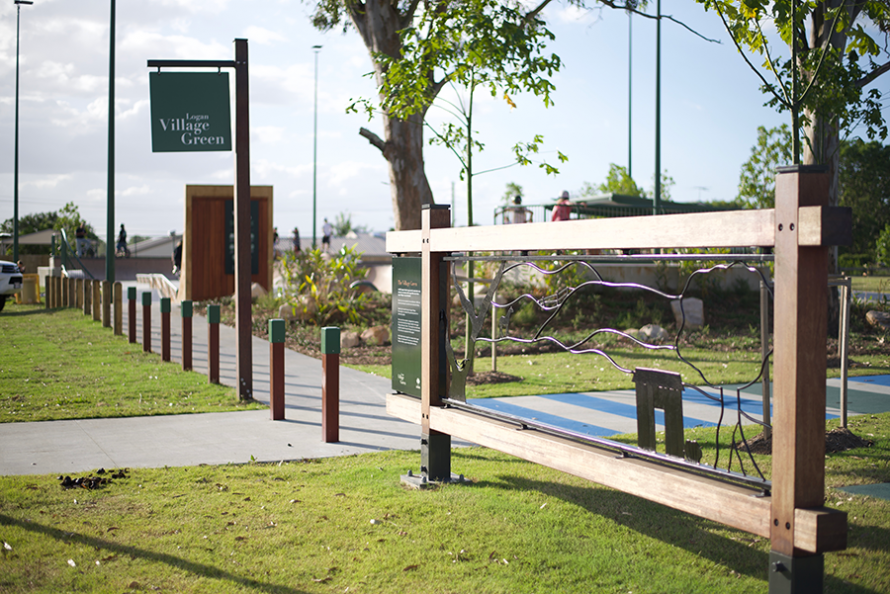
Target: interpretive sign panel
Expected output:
[190,111]
[406,304]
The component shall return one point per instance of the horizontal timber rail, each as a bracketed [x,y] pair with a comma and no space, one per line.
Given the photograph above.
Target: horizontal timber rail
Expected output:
[628,259]
[759,485]
[817,529]
[817,225]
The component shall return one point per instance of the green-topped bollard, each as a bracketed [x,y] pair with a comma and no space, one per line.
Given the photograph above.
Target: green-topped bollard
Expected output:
[146,321]
[165,328]
[186,309]
[213,343]
[276,369]
[131,314]
[330,384]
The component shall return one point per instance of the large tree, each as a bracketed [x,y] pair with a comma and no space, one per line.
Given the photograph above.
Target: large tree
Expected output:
[820,77]
[865,187]
[757,180]
[416,50]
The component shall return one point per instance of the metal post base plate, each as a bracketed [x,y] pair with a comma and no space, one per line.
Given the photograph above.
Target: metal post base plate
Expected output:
[420,481]
[795,575]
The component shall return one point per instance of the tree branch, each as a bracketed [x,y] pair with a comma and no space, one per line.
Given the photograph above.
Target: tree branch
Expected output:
[409,14]
[873,75]
[537,10]
[373,139]
[690,29]
[748,62]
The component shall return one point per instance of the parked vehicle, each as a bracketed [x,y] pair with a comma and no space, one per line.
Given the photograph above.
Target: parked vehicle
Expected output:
[10,281]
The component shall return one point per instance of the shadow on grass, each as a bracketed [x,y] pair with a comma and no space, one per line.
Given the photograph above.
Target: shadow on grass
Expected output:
[182,564]
[679,529]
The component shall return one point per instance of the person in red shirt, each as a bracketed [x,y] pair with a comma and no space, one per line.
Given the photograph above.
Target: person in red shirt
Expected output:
[563,210]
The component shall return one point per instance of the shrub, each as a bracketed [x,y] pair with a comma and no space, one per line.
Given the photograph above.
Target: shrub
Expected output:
[320,288]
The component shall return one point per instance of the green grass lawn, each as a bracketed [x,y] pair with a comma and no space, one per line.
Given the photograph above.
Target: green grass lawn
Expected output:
[346,525]
[872,284]
[59,364]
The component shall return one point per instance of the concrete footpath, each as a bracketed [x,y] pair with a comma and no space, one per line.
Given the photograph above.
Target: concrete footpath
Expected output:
[214,438]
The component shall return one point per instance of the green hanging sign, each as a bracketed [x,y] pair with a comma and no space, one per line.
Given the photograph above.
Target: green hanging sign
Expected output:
[190,111]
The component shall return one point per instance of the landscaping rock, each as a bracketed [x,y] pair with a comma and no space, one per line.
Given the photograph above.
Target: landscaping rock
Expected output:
[694,309]
[286,312]
[376,336]
[349,340]
[879,319]
[257,290]
[653,332]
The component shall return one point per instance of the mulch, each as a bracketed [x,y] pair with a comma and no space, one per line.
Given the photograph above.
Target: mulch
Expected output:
[839,439]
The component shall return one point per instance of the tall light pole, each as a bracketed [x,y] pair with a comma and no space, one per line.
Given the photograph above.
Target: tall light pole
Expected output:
[314,143]
[15,198]
[630,117]
[110,243]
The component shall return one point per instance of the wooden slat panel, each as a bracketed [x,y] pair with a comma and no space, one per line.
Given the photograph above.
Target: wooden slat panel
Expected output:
[741,228]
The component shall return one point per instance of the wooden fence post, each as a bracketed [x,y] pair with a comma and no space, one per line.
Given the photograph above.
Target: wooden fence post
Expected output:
[106,304]
[213,343]
[146,321]
[97,301]
[800,328]
[78,293]
[276,370]
[435,447]
[165,328]
[131,314]
[330,384]
[87,296]
[185,309]
[118,309]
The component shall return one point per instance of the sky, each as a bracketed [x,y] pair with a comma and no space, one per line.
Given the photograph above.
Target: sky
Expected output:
[711,107]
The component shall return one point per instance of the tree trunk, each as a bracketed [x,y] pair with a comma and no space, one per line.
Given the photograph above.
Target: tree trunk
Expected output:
[379,23]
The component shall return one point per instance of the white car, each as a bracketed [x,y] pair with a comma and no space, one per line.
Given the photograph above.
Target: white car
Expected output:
[10,281]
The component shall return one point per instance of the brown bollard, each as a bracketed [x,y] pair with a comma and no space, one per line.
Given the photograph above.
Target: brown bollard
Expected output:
[186,309]
[46,281]
[146,321]
[87,296]
[106,304]
[213,343]
[131,314]
[78,293]
[276,369]
[118,309]
[72,293]
[165,328]
[330,384]
[64,292]
[97,301]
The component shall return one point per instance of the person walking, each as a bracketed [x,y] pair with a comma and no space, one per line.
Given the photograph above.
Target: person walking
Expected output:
[81,241]
[326,231]
[121,247]
[563,209]
[296,240]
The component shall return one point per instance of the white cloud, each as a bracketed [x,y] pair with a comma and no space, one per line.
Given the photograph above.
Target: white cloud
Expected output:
[262,36]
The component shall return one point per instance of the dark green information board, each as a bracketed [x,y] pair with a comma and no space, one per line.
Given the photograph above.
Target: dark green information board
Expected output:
[406,309]
[190,111]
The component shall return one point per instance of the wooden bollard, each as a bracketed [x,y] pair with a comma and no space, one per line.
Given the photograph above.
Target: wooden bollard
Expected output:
[165,328]
[118,309]
[146,321]
[97,301]
[46,287]
[330,384]
[213,343]
[78,293]
[106,304]
[186,309]
[131,314]
[276,369]
[64,292]
[57,292]
[87,296]
[72,293]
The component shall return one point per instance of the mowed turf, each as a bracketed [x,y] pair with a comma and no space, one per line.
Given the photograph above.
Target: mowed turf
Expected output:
[59,364]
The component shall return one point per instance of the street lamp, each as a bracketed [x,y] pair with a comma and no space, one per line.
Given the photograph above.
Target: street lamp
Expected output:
[15,198]
[314,143]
